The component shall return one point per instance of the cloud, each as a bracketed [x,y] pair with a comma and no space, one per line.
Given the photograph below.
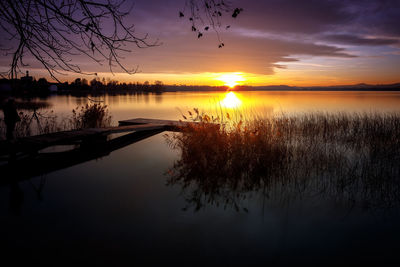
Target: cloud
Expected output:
[372,17]
[379,17]
[259,56]
[293,16]
[357,40]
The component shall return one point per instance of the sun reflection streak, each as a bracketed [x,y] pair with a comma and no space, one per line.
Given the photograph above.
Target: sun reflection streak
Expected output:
[231,101]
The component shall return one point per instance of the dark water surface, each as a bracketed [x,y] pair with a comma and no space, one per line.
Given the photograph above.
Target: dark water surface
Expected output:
[119,211]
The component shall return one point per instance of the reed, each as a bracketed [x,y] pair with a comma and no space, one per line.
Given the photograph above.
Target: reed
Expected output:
[348,157]
[90,116]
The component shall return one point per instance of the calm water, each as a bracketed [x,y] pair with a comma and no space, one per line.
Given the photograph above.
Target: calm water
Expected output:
[118,209]
[172,105]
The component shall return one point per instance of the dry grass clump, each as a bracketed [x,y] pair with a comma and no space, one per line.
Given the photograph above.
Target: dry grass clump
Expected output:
[35,122]
[90,116]
[347,157]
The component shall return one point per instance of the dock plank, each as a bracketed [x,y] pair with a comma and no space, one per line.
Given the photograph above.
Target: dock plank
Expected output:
[170,123]
[136,128]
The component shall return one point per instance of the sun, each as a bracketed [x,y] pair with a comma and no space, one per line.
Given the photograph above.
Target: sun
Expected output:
[231,79]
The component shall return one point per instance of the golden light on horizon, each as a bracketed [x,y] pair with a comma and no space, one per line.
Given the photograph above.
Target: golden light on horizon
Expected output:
[288,77]
[231,101]
[231,79]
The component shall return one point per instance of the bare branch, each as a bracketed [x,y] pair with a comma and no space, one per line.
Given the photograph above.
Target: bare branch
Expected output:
[52,31]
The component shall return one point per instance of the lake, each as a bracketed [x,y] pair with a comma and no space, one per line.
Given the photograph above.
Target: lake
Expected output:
[171,105]
[121,209]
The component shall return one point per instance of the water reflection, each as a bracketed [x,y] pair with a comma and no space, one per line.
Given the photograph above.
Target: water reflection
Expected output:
[40,163]
[118,211]
[16,199]
[231,101]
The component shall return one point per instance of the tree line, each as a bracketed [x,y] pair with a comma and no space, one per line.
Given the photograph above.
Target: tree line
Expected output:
[79,85]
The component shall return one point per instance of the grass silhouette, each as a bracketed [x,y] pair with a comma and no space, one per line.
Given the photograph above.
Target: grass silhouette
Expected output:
[338,156]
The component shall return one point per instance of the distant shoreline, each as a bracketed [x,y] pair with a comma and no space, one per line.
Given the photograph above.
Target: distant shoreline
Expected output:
[29,87]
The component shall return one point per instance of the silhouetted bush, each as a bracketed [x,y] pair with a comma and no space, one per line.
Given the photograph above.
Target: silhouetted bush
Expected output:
[90,116]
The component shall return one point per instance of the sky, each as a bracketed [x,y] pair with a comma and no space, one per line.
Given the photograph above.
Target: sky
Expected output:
[271,42]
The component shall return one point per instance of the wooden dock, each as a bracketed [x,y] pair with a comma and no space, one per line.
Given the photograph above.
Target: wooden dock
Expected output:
[35,143]
[26,158]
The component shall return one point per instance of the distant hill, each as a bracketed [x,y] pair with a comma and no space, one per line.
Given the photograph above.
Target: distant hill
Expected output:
[355,87]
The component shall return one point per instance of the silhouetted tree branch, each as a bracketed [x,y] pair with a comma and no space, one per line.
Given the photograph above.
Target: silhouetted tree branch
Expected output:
[52,31]
[207,14]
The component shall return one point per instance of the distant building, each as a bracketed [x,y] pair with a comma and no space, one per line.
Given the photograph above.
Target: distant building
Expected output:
[27,78]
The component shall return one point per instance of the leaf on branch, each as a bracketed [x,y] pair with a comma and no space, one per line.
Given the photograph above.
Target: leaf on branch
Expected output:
[236,12]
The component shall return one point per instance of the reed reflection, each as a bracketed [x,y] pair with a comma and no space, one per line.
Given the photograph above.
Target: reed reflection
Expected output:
[351,159]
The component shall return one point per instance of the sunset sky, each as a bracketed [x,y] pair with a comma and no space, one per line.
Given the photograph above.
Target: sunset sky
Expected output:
[272,42]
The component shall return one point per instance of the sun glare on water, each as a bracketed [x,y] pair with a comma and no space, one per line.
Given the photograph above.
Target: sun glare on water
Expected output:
[231,101]
[231,79]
